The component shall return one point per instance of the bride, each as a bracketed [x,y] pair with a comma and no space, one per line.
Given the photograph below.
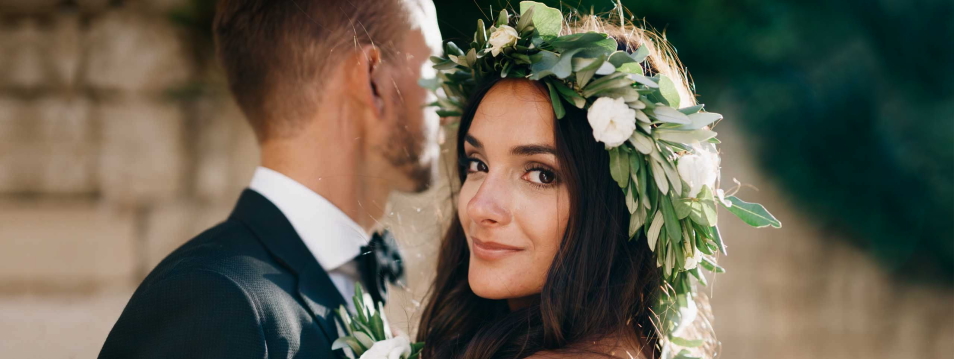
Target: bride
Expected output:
[589,183]
[557,251]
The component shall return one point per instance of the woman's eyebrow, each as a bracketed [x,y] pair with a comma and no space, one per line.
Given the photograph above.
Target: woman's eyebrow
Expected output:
[530,150]
[473,141]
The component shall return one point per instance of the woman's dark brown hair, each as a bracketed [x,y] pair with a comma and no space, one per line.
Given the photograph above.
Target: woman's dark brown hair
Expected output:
[600,284]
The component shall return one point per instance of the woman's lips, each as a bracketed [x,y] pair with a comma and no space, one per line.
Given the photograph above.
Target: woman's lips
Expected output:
[492,250]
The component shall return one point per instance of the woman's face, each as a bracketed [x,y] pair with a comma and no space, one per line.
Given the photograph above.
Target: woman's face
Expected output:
[514,205]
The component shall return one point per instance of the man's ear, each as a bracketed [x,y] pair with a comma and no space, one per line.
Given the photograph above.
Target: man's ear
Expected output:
[365,78]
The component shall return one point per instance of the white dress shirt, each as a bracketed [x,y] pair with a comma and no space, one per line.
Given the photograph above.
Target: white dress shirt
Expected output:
[333,238]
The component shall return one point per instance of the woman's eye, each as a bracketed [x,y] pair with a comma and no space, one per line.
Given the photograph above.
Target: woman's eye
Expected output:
[475,165]
[540,176]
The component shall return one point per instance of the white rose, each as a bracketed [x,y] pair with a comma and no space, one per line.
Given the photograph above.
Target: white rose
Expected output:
[700,168]
[394,348]
[693,262]
[612,121]
[502,37]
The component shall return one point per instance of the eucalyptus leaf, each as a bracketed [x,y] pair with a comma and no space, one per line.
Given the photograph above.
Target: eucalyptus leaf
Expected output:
[578,40]
[680,136]
[667,89]
[546,20]
[681,205]
[619,58]
[717,237]
[692,109]
[673,229]
[619,166]
[711,266]
[569,94]
[631,68]
[480,37]
[652,235]
[703,209]
[701,119]
[660,176]
[683,342]
[555,101]
[753,214]
[636,220]
[670,115]
[640,54]
[648,82]
[503,18]
[631,204]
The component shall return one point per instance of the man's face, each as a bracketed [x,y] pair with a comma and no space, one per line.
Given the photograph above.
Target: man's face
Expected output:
[412,147]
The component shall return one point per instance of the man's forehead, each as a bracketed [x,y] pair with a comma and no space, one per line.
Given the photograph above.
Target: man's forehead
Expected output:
[423,16]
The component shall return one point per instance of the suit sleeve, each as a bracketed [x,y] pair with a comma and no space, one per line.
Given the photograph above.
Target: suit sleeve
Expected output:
[199,314]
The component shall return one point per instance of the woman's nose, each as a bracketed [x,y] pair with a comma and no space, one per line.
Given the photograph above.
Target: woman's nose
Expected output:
[488,207]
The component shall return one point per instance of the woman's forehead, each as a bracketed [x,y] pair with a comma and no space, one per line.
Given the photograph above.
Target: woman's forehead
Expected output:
[515,111]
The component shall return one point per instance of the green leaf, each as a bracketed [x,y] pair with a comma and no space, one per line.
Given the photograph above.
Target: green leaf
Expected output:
[443,113]
[578,40]
[683,342]
[618,58]
[569,94]
[640,54]
[503,18]
[525,20]
[668,91]
[692,109]
[546,20]
[700,120]
[652,234]
[711,266]
[480,37]
[631,68]
[619,166]
[681,205]
[561,66]
[636,220]
[717,237]
[673,229]
[631,203]
[753,214]
[683,136]
[703,209]
[555,101]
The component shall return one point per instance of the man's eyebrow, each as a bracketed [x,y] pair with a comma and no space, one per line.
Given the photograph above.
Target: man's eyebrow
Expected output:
[473,141]
[530,150]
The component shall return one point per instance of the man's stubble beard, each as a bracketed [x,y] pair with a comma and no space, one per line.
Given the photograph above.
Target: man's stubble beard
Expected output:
[405,150]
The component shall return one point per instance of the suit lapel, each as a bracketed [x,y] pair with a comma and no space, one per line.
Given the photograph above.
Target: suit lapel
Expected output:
[274,231]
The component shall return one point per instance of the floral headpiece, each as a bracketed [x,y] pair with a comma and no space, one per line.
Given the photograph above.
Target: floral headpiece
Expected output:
[662,156]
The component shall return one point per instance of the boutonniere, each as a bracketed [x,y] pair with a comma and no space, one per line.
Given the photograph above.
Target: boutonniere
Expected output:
[368,335]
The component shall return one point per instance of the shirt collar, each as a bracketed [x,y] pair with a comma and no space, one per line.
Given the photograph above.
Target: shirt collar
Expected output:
[331,236]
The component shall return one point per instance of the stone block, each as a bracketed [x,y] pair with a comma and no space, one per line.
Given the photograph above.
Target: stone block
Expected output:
[227,152]
[62,119]
[64,49]
[22,57]
[170,225]
[129,51]
[28,7]
[66,168]
[142,155]
[64,245]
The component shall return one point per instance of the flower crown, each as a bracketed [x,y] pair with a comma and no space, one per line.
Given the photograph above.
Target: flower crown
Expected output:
[663,157]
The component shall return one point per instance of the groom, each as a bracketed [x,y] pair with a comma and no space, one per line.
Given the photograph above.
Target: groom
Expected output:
[330,89]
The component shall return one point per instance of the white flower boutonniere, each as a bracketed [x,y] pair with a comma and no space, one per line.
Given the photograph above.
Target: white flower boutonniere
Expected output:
[612,120]
[394,348]
[503,37]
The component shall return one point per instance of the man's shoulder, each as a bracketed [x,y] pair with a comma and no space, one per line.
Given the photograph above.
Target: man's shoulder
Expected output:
[228,249]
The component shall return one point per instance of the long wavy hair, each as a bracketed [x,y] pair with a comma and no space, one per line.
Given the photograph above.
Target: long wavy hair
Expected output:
[600,284]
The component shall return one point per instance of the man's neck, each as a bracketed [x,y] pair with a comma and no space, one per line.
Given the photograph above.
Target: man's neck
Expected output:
[334,173]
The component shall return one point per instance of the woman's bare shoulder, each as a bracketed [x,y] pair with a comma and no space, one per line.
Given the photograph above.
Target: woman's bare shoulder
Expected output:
[605,348]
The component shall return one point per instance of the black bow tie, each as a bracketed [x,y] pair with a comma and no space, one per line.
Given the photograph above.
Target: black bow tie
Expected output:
[381,263]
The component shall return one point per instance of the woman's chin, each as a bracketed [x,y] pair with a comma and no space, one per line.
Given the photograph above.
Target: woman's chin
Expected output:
[496,283]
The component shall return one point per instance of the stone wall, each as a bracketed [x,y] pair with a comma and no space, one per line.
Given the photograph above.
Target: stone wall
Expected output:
[102,173]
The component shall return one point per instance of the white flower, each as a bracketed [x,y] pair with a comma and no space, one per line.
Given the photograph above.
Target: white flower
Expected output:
[394,348]
[612,121]
[720,194]
[700,168]
[502,37]
[692,262]
[687,315]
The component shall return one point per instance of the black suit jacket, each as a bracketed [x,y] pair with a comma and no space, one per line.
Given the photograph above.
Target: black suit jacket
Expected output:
[246,288]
